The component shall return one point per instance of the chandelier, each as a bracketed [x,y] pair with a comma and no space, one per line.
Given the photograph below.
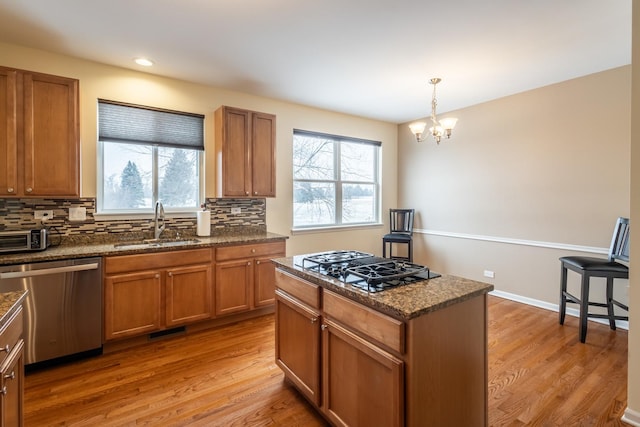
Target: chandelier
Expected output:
[439,128]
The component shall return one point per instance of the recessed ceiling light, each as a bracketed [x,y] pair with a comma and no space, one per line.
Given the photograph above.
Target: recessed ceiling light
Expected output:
[144,62]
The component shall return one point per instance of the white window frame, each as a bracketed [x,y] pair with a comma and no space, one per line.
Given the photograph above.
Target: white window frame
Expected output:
[338,182]
[146,211]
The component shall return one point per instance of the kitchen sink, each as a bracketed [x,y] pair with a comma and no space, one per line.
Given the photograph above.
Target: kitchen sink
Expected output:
[154,243]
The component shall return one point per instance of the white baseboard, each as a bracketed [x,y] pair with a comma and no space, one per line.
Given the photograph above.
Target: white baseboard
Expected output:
[631,417]
[622,324]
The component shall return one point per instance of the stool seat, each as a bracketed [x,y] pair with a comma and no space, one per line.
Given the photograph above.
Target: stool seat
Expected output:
[595,265]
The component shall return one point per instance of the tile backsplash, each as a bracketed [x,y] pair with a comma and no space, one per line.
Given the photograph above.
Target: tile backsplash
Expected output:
[18,214]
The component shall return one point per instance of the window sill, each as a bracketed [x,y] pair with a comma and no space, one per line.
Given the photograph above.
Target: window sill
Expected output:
[334,228]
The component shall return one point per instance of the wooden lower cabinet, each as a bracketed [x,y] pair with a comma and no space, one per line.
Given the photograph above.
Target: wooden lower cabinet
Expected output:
[12,371]
[363,385]
[151,292]
[298,344]
[245,276]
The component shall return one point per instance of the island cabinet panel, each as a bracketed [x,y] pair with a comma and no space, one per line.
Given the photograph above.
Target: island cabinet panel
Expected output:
[245,276]
[39,135]
[298,344]
[245,152]
[448,363]
[385,330]
[151,292]
[12,371]
[363,385]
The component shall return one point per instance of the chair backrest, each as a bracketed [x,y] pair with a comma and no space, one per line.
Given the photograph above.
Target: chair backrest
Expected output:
[401,221]
[620,242]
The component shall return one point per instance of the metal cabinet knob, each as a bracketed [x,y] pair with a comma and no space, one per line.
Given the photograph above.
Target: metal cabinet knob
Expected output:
[257,262]
[323,326]
[10,190]
[6,348]
[246,193]
[10,376]
[170,274]
[29,189]
[255,193]
[4,390]
[314,319]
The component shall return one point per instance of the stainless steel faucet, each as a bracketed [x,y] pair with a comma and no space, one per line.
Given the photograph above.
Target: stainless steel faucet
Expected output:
[158,220]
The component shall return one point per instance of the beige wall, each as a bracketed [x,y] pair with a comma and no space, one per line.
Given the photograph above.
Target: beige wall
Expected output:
[633,403]
[101,81]
[523,180]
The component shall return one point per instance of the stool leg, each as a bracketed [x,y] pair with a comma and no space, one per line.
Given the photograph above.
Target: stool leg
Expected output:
[384,249]
[410,250]
[584,307]
[610,312]
[563,288]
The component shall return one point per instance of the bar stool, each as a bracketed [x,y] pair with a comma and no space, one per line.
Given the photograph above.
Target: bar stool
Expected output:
[401,232]
[589,267]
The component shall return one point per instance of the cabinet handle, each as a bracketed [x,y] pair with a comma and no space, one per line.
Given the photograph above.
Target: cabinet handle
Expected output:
[246,193]
[257,262]
[11,376]
[170,274]
[4,390]
[314,319]
[253,251]
[249,263]
[157,276]
[29,189]
[10,190]
[6,348]
[323,326]
[255,193]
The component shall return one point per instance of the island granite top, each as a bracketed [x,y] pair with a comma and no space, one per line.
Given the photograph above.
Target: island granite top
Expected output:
[9,303]
[85,250]
[403,302]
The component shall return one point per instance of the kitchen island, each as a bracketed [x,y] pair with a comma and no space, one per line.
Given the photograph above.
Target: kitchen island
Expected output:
[414,355]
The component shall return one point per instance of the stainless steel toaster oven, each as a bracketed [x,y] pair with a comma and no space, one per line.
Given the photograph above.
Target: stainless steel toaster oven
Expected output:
[24,240]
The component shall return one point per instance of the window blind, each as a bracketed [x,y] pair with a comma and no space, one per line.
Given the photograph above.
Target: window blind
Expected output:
[137,124]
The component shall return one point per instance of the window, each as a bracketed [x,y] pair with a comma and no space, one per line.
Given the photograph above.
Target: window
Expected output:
[147,155]
[335,180]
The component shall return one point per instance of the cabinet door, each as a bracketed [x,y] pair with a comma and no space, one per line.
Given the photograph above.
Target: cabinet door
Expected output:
[11,388]
[363,385]
[51,136]
[8,135]
[233,286]
[236,171]
[263,155]
[132,304]
[298,345]
[264,281]
[188,294]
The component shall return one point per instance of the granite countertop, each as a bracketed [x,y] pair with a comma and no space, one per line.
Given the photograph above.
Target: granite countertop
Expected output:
[9,303]
[85,250]
[404,302]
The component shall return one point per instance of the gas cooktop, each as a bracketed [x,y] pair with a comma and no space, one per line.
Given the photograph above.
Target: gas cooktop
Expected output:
[365,271]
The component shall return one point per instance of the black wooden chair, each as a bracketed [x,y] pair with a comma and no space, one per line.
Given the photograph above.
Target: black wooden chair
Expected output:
[400,231]
[589,267]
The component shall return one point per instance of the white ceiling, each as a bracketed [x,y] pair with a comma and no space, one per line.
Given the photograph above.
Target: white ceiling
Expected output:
[371,58]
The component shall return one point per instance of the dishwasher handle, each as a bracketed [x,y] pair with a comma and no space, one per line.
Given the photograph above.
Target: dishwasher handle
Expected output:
[45,271]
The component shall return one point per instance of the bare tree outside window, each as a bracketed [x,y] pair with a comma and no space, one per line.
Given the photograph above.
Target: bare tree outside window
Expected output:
[335,180]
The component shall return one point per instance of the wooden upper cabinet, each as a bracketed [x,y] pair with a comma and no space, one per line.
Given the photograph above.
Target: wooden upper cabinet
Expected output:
[245,152]
[40,142]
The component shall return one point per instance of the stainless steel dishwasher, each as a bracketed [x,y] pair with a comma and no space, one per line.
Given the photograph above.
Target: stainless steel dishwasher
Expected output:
[63,310]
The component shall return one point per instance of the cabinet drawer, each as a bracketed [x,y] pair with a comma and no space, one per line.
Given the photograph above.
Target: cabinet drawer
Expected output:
[301,289]
[128,263]
[227,253]
[384,329]
[10,334]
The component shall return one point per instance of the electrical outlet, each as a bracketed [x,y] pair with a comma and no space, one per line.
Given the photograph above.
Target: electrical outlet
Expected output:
[236,210]
[77,214]
[43,215]
[489,273]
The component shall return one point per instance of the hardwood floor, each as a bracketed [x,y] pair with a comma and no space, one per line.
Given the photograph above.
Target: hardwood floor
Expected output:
[539,374]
